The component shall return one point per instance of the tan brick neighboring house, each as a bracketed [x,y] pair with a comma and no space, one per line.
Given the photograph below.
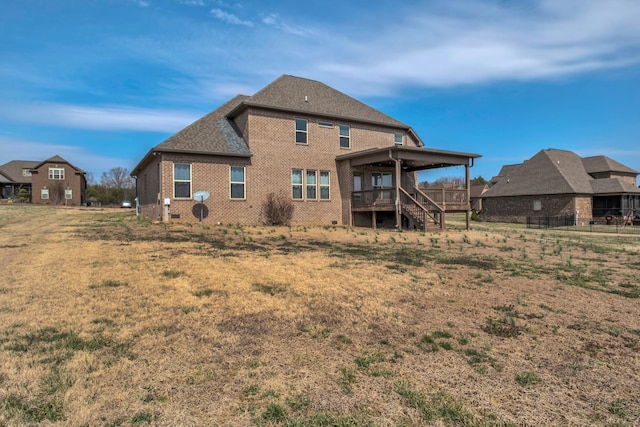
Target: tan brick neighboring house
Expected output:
[338,160]
[14,176]
[57,182]
[559,183]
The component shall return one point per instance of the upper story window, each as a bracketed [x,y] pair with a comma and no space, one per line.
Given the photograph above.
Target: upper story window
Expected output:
[325,124]
[301,131]
[398,138]
[237,182]
[26,172]
[182,180]
[345,136]
[56,173]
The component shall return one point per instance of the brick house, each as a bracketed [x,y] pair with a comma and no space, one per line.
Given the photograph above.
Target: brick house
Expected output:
[338,160]
[14,176]
[56,181]
[559,183]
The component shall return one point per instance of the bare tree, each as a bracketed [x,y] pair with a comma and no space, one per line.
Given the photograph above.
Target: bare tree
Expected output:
[56,192]
[117,178]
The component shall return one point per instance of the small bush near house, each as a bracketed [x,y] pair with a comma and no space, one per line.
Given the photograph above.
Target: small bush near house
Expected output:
[277,209]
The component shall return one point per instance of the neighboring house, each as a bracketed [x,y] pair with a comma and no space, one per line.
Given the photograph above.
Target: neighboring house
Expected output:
[336,159]
[14,176]
[56,181]
[557,183]
[476,196]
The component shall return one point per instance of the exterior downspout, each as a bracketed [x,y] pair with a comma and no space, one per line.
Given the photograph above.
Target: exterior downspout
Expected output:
[398,179]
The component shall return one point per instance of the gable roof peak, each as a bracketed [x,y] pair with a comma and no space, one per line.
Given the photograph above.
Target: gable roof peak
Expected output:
[311,97]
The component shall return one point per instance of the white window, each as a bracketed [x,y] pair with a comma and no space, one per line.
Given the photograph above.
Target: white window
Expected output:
[324,185]
[316,184]
[345,136]
[312,185]
[296,184]
[182,180]
[237,182]
[301,131]
[56,173]
[26,172]
[68,194]
[398,138]
[44,194]
[537,205]
[325,124]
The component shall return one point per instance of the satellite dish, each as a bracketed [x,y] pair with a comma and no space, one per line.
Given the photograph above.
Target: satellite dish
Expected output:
[201,196]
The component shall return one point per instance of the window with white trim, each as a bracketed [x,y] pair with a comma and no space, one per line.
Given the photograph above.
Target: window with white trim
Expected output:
[537,205]
[301,131]
[311,184]
[56,173]
[44,194]
[324,185]
[325,124]
[398,138]
[26,172]
[182,180]
[237,182]
[296,184]
[345,136]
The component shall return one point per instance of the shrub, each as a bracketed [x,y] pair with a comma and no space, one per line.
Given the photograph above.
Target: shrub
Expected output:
[277,209]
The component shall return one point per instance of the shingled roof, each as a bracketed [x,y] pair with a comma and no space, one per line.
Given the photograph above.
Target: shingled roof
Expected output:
[12,171]
[211,134]
[217,134]
[300,95]
[554,171]
[598,164]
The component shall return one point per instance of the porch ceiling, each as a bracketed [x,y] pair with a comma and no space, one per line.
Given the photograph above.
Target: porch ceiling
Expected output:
[412,158]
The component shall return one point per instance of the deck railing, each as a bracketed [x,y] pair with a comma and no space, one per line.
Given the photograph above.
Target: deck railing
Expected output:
[373,198]
[448,199]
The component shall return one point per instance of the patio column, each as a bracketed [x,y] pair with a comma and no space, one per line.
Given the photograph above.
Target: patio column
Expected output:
[468,185]
[398,205]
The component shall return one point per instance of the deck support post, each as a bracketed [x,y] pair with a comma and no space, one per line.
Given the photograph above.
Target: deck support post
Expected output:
[468,186]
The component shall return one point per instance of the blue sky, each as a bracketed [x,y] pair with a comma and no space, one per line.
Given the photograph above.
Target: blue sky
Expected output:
[100,82]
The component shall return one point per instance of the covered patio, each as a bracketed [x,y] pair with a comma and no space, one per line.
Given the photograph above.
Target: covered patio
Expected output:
[384,185]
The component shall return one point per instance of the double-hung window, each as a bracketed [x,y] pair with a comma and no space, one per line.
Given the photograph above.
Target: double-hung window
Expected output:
[301,131]
[182,180]
[296,184]
[237,182]
[44,194]
[398,138]
[345,136]
[312,185]
[324,185]
[56,173]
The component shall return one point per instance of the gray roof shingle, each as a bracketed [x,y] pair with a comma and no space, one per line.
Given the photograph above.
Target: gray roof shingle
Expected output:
[550,172]
[212,134]
[296,94]
[13,171]
[597,164]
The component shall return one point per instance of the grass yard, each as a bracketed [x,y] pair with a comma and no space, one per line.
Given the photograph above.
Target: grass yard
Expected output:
[111,320]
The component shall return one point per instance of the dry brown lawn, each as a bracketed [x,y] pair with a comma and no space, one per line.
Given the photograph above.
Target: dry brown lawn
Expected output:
[110,320]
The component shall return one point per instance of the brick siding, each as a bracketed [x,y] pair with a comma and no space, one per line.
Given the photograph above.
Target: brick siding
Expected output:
[40,180]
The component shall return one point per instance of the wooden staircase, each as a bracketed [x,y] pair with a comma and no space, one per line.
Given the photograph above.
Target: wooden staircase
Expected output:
[415,207]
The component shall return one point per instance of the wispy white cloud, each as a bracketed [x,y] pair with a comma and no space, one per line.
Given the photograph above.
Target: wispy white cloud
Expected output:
[274,20]
[230,18]
[192,2]
[472,42]
[97,118]
[141,3]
